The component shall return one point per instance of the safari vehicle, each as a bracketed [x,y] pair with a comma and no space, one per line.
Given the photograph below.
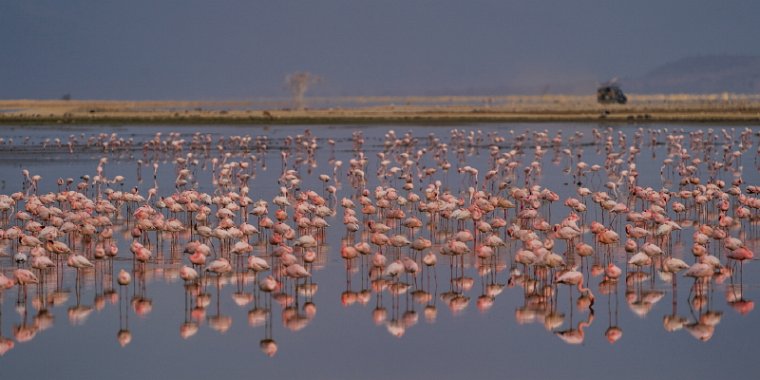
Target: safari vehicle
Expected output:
[610,93]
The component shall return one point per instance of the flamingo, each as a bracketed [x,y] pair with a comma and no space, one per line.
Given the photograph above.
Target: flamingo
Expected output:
[219,266]
[429,259]
[25,277]
[188,274]
[612,271]
[124,278]
[268,284]
[674,265]
[700,270]
[394,269]
[257,264]
[741,254]
[296,271]
[573,277]
[6,283]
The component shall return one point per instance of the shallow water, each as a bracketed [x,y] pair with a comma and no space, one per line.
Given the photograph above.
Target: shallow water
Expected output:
[465,317]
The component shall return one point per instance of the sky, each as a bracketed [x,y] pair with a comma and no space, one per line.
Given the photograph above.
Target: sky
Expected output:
[220,50]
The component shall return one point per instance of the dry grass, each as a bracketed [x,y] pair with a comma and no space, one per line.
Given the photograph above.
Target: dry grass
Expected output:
[641,108]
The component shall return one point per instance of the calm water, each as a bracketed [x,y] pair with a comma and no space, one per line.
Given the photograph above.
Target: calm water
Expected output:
[466,317]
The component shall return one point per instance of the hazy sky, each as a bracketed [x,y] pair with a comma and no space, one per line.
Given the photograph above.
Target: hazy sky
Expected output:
[192,49]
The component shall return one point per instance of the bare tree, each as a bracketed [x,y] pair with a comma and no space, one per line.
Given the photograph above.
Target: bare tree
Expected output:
[298,83]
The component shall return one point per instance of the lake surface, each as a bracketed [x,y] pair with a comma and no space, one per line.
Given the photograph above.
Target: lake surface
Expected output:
[468,316]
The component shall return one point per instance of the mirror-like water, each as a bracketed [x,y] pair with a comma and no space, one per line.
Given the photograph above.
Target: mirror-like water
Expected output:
[531,251]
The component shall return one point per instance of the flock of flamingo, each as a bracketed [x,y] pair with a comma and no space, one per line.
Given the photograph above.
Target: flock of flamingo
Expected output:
[406,214]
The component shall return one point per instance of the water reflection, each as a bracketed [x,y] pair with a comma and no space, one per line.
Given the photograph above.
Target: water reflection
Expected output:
[417,221]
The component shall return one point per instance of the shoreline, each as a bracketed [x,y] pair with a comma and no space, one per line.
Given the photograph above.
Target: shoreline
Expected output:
[414,110]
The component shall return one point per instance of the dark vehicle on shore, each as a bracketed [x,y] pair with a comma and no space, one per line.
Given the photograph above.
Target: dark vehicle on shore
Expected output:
[610,94]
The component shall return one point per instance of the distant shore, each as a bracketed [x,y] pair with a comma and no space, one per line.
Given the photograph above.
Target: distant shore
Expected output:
[717,108]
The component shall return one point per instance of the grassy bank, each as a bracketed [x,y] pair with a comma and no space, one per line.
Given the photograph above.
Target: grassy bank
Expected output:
[640,109]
